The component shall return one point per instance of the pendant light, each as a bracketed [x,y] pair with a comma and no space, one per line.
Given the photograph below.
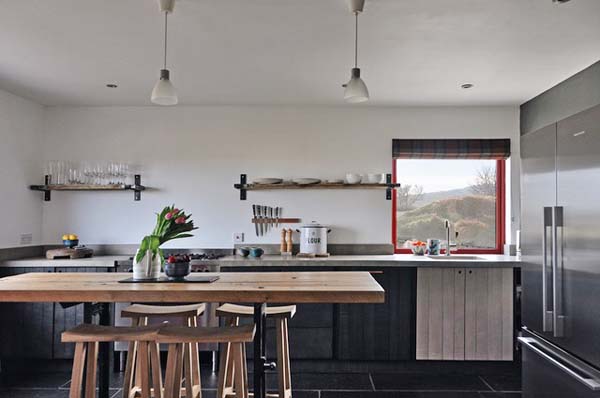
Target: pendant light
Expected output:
[356,90]
[164,93]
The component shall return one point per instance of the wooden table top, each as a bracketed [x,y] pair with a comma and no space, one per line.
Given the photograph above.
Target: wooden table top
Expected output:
[244,287]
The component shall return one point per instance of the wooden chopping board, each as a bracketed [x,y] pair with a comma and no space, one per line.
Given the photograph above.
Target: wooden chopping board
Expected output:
[72,253]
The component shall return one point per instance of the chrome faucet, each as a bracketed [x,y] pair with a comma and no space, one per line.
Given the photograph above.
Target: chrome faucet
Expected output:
[447,226]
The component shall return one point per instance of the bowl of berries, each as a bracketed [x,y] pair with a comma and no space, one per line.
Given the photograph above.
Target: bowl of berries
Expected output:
[177,267]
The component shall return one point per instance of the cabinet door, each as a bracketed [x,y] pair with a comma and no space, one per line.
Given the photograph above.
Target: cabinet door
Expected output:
[26,330]
[440,313]
[380,331]
[489,314]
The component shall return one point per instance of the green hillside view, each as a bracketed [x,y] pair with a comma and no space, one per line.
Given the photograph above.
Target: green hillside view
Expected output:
[472,216]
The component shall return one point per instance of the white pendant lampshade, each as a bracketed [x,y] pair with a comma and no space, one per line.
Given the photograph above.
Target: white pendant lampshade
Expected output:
[164,92]
[356,90]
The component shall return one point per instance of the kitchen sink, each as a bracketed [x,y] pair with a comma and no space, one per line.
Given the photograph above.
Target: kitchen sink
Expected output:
[456,257]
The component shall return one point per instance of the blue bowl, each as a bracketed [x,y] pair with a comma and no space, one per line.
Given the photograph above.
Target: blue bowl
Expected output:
[177,271]
[256,252]
[70,243]
[243,251]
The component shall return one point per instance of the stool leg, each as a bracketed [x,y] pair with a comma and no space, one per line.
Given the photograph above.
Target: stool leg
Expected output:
[287,376]
[187,369]
[226,372]
[77,372]
[196,381]
[173,374]
[143,368]
[131,378]
[241,390]
[156,371]
[90,370]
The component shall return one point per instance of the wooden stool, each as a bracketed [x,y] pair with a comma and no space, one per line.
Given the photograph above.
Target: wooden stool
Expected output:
[87,338]
[232,314]
[179,338]
[140,314]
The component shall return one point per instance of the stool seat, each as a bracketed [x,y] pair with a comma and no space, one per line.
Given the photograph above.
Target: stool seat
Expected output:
[180,311]
[246,311]
[98,333]
[179,334]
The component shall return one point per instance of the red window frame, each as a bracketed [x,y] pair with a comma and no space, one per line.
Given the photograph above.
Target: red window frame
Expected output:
[500,215]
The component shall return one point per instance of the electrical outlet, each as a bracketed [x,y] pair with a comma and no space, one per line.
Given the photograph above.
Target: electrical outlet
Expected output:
[238,237]
[26,239]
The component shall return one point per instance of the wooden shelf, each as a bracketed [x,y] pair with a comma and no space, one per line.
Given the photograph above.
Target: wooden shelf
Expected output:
[244,187]
[268,187]
[137,188]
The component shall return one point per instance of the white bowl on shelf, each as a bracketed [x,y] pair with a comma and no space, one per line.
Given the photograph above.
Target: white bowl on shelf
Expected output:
[375,178]
[353,178]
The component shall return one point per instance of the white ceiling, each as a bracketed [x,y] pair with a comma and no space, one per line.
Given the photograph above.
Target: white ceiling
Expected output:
[412,52]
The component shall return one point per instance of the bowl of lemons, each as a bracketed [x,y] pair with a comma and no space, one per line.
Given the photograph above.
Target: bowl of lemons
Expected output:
[70,240]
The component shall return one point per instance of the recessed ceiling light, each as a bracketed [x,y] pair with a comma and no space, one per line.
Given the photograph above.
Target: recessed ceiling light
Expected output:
[111,85]
[467,86]
[560,1]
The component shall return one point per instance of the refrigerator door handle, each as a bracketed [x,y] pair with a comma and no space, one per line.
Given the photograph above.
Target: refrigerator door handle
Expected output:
[573,367]
[547,316]
[557,317]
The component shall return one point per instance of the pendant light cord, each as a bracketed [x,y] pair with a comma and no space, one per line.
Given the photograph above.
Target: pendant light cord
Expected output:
[356,40]
[165,60]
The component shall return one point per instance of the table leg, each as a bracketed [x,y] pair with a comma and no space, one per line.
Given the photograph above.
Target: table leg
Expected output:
[260,320]
[102,311]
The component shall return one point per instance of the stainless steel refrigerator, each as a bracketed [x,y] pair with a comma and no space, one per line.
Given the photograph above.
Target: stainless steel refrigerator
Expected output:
[561,258]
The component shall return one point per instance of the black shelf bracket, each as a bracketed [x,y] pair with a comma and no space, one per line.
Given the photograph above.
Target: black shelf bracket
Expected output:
[388,191]
[137,187]
[242,186]
[47,192]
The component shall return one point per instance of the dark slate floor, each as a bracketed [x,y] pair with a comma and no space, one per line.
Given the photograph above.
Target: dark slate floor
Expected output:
[375,382]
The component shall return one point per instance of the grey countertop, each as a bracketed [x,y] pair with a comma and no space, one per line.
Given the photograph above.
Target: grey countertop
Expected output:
[396,260]
[40,262]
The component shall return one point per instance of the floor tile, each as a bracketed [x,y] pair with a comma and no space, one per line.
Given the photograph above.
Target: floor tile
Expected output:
[33,393]
[41,380]
[428,381]
[321,381]
[504,382]
[399,394]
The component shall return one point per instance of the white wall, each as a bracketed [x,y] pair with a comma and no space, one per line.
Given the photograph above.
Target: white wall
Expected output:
[194,155]
[20,166]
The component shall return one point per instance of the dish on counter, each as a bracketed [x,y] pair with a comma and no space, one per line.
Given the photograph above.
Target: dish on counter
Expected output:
[306,181]
[268,181]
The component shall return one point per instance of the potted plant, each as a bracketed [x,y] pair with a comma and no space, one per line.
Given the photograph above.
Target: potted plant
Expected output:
[171,223]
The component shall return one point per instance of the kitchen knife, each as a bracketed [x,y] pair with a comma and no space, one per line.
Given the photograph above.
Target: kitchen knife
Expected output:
[271,223]
[255,219]
[259,213]
[266,216]
[277,217]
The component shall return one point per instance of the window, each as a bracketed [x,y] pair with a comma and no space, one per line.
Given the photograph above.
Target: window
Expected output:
[467,191]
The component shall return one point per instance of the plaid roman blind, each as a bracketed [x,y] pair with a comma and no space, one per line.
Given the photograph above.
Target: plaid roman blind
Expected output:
[451,149]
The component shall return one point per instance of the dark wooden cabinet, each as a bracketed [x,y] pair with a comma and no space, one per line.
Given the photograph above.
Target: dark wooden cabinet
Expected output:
[26,330]
[380,331]
[354,331]
[32,330]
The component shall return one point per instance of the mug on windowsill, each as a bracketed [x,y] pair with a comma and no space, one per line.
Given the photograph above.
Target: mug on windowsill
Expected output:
[433,247]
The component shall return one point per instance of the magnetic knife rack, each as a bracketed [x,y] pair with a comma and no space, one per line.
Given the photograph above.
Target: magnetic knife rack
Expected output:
[244,187]
[273,221]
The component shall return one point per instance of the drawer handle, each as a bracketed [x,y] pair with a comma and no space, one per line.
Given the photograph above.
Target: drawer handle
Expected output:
[558,360]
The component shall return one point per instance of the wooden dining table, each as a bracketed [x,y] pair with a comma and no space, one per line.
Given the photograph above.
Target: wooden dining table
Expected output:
[98,290]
